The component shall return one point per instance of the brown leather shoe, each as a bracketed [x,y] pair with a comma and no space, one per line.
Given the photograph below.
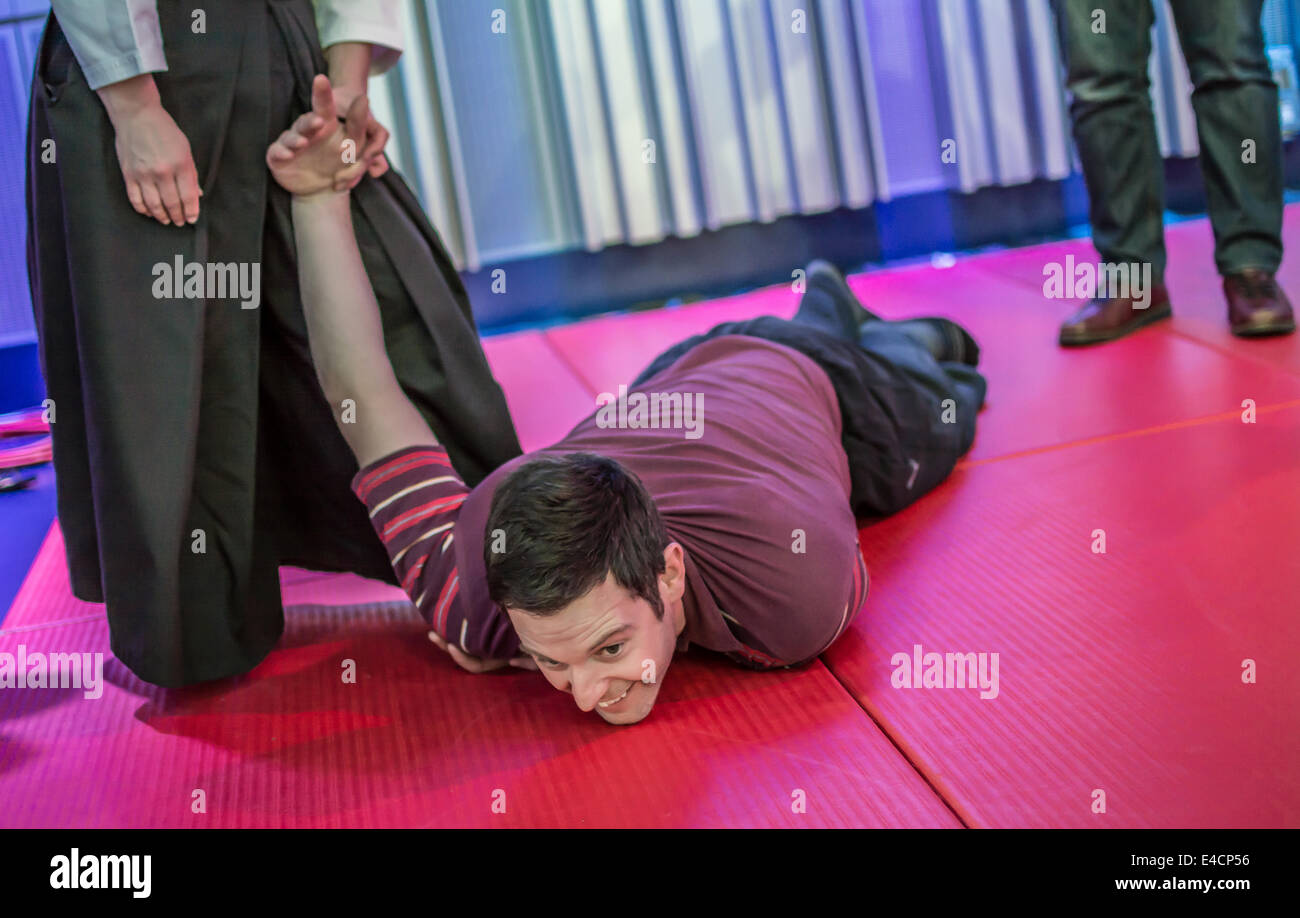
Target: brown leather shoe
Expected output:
[1256,304]
[1108,318]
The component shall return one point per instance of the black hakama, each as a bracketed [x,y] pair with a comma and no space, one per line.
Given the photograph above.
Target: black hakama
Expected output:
[194,450]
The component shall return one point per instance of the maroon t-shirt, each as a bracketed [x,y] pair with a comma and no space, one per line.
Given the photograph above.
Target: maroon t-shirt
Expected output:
[752,482]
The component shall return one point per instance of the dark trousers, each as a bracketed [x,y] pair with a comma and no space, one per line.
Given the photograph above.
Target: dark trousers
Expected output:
[908,415]
[1235,100]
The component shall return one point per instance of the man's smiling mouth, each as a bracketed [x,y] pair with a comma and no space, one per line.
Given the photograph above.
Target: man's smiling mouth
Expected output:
[614,701]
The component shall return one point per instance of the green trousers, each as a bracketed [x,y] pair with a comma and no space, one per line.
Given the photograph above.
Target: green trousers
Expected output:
[1235,100]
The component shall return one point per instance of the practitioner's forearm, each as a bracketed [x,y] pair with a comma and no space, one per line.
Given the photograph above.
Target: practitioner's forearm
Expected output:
[349,67]
[126,98]
[346,334]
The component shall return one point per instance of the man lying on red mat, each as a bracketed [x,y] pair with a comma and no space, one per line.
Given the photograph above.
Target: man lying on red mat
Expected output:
[653,525]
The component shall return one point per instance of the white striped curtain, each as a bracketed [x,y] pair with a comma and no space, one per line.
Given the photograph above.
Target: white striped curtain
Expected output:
[533,126]
[1002,76]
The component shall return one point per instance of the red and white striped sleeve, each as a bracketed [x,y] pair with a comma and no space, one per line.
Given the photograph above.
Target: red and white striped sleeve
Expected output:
[414,497]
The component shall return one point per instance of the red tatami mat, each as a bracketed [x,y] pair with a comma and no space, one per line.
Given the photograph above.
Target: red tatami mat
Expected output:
[1195,287]
[613,350]
[415,741]
[315,588]
[46,595]
[1196,290]
[1038,395]
[1119,672]
[544,396]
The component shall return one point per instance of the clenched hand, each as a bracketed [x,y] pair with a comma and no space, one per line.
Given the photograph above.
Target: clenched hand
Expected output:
[478,664]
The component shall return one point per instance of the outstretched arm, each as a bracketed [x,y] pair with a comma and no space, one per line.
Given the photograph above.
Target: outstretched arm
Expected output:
[406,480]
[343,325]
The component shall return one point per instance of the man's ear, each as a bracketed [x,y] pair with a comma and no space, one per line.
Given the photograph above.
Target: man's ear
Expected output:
[674,576]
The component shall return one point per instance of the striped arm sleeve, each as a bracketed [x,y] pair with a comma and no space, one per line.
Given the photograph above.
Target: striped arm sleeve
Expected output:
[414,497]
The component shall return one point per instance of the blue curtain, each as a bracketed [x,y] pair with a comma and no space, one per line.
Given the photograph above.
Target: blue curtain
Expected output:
[21,22]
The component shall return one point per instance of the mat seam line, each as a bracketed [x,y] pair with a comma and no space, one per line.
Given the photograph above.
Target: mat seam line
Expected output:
[569,365]
[1253,361]
[1055,447]
[893,742]
[63,621]
[1168,329]
[1124,435]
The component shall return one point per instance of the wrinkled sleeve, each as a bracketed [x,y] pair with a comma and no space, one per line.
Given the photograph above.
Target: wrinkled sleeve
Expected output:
[414,497]
[113,40]
[375,22]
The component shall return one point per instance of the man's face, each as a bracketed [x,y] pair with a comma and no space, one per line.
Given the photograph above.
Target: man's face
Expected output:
[608,646]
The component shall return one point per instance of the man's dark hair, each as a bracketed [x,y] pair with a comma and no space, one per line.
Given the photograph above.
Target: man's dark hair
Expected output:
[568,521]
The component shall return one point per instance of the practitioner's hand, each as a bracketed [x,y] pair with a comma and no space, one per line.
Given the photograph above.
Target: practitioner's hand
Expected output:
[313,155]
[153,153]
[348,66]
[477,664]
[376,134]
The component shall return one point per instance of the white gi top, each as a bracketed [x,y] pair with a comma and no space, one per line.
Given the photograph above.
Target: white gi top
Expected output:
[115,40]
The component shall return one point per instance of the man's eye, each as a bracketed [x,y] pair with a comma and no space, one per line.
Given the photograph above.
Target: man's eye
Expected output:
[615,648]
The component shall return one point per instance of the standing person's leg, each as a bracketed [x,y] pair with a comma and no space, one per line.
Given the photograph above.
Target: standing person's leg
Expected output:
[1114,128]
[1105,46]
[1235,100]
